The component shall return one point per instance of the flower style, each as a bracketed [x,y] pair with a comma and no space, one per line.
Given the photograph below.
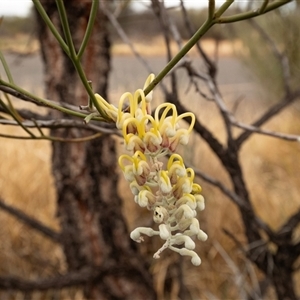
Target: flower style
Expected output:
[170,193]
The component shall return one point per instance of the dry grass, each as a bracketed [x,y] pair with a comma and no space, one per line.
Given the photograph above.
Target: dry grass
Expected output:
[156,46]
[23,43]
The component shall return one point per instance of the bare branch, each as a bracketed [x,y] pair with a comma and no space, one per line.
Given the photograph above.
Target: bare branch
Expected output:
[31,222]
[290,225]
[222,108]
[252,129]
[241,203]
[21,96]
[66,123]
[238,277]
[161,14]
[231,195]
[112,18]
[287,100]
[28,114]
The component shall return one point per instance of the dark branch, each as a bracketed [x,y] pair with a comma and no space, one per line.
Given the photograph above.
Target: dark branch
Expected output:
[28,114]
[31,222]
[289,226]
[211,140]
[70,279]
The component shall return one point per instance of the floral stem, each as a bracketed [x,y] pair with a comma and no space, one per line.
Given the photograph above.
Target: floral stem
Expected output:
[51,26]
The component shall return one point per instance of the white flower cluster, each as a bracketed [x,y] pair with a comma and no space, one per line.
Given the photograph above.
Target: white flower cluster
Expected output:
[170,191]
[172,196]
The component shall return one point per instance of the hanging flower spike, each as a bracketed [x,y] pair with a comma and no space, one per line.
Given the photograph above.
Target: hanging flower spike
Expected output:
[169,192]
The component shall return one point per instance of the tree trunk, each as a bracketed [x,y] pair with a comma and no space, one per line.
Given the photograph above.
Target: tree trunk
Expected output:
[93,228]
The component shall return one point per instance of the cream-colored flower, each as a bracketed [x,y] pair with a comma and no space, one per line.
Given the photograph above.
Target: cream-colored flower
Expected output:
[169,192]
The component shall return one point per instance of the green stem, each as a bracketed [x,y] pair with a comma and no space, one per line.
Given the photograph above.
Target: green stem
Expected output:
[51,26]
[6,68]
[223,8]
[211,9]
[75,58]
[52,138]
[252,14]
[205,27]
[44,102]
[192,41]
[69,47]
[89,28]
[66,27]
[185,49]
[11,113]
[263,6]
[87,86]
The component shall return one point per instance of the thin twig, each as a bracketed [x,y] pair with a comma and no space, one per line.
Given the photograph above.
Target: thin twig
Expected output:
[253,129]
[287,100]
[211,83]
[113,20]
[211,66]
[63,123]
[290,225]
[238,277]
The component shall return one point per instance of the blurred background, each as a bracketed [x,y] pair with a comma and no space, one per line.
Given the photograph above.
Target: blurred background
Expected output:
[249,79]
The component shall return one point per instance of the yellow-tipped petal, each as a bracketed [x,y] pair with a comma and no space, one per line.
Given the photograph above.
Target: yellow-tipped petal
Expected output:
[186,115]
[168,107]
[139,94]
[150,78]
[121,160]
[175,158]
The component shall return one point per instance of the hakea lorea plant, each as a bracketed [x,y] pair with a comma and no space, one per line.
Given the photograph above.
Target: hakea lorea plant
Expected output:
[170,191]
